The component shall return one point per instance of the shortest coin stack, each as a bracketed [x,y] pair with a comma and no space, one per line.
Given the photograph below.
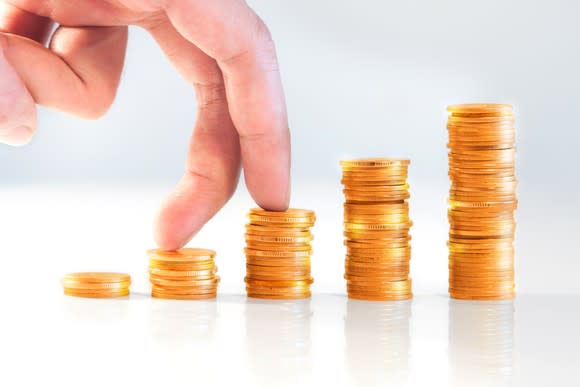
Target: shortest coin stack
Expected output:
[185,274]
[96,285]
[278,254]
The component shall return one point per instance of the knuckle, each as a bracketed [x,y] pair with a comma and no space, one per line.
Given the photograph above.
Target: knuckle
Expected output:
[210,94]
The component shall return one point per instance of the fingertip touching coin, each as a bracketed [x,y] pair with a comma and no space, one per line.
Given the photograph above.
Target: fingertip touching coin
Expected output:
[221,47]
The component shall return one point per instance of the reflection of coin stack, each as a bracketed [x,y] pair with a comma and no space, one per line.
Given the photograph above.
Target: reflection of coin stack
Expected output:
[376,229]
[179,325]
[481,348]
[482,201]
[96,285]
[278,342]
[278,254]
[378,342]
[185,274]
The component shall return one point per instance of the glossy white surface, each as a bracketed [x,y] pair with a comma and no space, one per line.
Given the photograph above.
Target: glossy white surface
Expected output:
[49,339]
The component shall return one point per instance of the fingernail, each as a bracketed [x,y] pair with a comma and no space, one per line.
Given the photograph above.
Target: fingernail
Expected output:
[16,136]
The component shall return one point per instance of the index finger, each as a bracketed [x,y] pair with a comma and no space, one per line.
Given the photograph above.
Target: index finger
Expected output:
[231,33]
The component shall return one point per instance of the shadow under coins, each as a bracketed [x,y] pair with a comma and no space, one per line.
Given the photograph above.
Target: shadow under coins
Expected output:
[481,343]
[377,342]
[277,341]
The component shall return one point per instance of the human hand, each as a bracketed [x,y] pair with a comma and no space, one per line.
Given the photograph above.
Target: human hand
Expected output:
[220,46]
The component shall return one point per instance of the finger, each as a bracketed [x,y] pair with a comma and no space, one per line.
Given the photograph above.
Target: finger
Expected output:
[230,32]
[20,22]
[79,74]
[213,164]
[17,110]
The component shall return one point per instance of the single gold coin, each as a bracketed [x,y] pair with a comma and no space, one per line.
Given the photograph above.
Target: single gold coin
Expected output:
[186,254]
[286,262]
[374,163]
[379,297]
[279,239]
[184,291]
[289,213]
[171,283]
[183,274]
[96,277]
[278,247]
[90,293]
[274,283]
[481,108]
[279,296]
[184,296]
[97,286]
[252,229]
[297,217]
[277,254]
[279,276]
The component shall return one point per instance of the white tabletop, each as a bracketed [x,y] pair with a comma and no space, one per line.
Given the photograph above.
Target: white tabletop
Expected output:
[50,338]
[47,338]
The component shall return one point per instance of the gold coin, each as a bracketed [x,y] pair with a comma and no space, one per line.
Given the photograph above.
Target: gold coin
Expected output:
[291,212]
[376,209]
[355,279]
[389,170]
[377,226]
[485,265]
[396,285]
[379,297]
[278,262]
[274,283]
[277,254]
[396,264]
[97,286]
[374,250]
[278,290]
[273,271]
[279,276]
[373,163]
[89,293]
[279,239]
[278,247]
[402,217]
[198,274]
[201,265]
[279,296]
[296,217]
[183,252]
[481,108]
[184,297]
[378,196]
[401,261]
[386,189]
[252,229]
[171,283]
[184,291]
[96,277]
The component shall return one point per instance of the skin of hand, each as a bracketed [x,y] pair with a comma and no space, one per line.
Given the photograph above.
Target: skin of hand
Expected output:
[221,47]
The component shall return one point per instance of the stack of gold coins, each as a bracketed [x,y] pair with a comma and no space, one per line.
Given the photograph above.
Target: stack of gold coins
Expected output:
[278,254]
[96,285]
[482,201]
[376,229]
[185,274]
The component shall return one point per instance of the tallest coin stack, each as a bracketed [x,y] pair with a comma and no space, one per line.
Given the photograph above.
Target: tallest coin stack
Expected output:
[482,201]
